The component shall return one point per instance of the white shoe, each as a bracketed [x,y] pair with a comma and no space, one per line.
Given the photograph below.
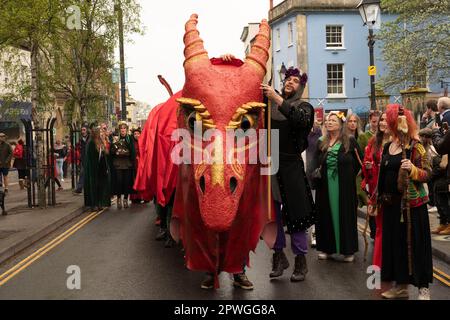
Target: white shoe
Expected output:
[424,294]
[62,180]
[349,258]
[395,293]
[432,210]
[324,256]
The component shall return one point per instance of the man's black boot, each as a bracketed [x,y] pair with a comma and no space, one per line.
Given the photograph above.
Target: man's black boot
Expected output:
[300,270]
[279,264]
[162,235]
[170,242]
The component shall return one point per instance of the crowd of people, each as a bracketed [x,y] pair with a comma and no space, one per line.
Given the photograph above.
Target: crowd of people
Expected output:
[399,171]
[109,161]
[396,168]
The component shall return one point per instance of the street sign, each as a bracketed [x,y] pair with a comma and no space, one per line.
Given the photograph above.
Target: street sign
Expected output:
[372,70]
[14,111]
[116,75]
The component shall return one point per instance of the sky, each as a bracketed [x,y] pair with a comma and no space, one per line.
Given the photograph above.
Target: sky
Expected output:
[160,50]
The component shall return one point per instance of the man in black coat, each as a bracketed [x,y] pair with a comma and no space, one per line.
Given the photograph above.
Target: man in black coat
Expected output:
[293,118]
[84,139]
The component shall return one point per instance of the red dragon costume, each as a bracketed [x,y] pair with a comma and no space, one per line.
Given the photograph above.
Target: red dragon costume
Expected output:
[221,208]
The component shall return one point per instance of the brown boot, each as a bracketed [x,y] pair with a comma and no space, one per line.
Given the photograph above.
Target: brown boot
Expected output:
[440,228]
[446,231]
[241,281]
[21,184]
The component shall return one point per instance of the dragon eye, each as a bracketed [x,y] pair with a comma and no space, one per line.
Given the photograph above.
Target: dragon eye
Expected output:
[191,119]
[247,122]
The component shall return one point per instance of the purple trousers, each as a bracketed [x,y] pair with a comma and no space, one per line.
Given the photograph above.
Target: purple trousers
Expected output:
[299,240]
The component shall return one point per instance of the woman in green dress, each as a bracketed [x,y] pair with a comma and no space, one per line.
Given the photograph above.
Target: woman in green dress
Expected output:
[336,199]
[97,182]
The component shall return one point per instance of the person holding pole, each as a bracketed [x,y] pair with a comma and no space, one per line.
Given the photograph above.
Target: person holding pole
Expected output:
[292,195]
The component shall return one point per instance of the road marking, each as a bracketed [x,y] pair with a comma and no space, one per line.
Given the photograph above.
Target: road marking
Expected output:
[441,279]
[438,274]
[46,246]
[22,265]
[441,273]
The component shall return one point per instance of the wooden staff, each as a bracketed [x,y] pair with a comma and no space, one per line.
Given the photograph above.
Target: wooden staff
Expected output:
[405,204]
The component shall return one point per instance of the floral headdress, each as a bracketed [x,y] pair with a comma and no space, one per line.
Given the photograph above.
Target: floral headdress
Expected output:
[294,72]
[122,123]
[339,114]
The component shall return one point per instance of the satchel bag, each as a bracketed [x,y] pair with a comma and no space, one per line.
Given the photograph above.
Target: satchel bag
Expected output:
[316,175]
[121,149]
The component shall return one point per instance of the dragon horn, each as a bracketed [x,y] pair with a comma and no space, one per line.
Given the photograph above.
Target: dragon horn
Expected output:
[193,44]
[259,52]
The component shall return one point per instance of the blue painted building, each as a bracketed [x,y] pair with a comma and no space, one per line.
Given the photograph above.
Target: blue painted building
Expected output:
[327,40]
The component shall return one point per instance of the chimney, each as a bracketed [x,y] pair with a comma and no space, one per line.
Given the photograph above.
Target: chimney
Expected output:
[271,4]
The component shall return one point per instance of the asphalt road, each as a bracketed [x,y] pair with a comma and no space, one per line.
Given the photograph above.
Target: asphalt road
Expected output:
[119,259]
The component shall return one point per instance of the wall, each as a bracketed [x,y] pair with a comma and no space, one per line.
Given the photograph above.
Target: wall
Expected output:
[354,55]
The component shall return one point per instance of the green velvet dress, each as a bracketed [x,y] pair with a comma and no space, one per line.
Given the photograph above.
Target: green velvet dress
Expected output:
[333,194]
[97,181]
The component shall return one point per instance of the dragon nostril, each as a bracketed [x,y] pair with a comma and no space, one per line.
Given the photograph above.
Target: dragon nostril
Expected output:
[233,184]
[202,184]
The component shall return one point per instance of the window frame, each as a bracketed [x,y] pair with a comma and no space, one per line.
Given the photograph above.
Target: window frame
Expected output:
[277,39]
[334,47]
[290,34]
[336,95]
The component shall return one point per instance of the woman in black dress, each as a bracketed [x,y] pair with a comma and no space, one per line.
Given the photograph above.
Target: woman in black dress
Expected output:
[337,159]
[123,160]
[399,170]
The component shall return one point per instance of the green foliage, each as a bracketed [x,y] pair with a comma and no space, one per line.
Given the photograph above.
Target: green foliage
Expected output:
[416,45]
[22,24]
[74,63]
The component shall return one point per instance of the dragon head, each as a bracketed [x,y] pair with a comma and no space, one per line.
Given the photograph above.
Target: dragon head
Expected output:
[218,99]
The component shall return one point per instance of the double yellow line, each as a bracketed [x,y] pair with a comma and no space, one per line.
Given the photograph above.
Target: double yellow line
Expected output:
[22,265]
[437,274]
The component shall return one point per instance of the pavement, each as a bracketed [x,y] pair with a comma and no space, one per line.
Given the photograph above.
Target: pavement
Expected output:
[23,226]
[440,244]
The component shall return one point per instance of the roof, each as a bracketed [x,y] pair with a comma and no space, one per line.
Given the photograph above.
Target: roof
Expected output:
[287,7]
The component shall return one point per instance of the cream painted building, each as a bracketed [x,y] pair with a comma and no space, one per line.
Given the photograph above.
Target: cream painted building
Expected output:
[248,35]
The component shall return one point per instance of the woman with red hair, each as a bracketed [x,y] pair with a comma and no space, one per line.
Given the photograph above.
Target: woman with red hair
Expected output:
[406,239]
